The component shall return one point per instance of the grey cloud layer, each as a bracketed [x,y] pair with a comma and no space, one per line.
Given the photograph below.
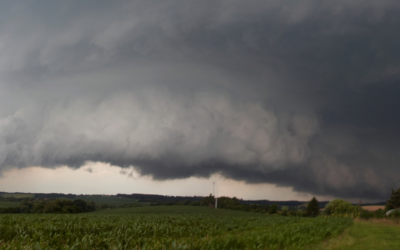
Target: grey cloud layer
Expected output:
[296,93]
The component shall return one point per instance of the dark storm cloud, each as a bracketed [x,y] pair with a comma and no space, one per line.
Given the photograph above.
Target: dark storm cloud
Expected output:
[296,93]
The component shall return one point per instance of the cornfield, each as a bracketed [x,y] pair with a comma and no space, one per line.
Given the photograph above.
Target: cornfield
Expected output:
[175,231]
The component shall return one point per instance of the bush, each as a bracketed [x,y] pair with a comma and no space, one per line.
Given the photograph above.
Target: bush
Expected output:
[395,214]
[364,214]
[273,209]
[340,207]
[379,214]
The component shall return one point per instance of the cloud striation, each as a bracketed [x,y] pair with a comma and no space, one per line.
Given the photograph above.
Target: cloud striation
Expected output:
[302,94]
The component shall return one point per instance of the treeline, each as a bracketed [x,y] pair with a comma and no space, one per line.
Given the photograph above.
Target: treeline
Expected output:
[199,200]
[291,204]
[392,207]
[311,209]
[51,206]
[54,196]
[159,199]
[234,204]
[125,205]
[224,203]
[13,199]
[39,196]
[379,214]
[155,198]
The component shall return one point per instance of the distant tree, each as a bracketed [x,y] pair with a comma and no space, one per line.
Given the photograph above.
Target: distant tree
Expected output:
[394,201]
[313,207]
[208,200]
[339,207]
[38,207]
[273,209]
[80,205]
[52,207]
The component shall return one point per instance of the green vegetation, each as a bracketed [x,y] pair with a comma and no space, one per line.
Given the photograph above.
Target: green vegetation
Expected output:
[379,214]
[394,201]
[4,204]
[227,203]
[189,224]
[19,201]
[17,195]
[110,201]
[179,210]
[340,207]
[165,227]
[54,206]
[273,209]
[366,236]
[313,207]
[135,200]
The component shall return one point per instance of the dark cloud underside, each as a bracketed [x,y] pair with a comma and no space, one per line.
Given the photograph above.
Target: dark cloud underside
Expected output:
[301,94]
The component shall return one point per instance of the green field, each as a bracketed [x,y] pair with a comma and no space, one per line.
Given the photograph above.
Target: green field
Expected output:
[109,200]
[8,204]
[98,199]
[179,210]
[165,227]
[17,195]
[367,235]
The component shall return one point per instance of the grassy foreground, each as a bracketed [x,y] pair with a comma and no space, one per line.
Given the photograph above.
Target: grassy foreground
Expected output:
[364,235]
[165,227]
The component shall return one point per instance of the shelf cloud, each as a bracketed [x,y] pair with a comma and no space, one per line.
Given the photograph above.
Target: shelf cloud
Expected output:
[301,94]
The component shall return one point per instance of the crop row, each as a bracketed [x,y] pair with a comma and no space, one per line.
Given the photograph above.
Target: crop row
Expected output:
[164,232]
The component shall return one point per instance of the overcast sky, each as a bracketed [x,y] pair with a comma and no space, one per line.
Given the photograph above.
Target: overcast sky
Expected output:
[298,97]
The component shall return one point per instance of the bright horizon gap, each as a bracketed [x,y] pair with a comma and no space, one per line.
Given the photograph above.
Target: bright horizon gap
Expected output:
[97,178]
